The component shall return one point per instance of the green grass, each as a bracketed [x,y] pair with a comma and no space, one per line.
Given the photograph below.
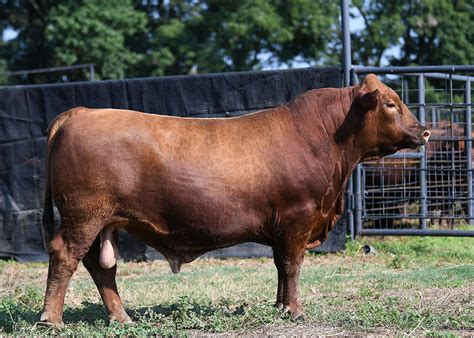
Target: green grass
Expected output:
[422,285]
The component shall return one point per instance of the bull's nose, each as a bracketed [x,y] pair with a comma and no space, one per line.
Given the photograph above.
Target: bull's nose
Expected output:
[426,135]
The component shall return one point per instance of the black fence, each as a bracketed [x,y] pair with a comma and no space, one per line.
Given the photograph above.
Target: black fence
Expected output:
[26,111]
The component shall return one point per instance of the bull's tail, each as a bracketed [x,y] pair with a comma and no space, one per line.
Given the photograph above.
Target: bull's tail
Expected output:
[48,212]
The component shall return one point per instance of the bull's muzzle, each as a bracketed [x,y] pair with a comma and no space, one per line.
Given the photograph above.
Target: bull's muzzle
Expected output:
[426,135]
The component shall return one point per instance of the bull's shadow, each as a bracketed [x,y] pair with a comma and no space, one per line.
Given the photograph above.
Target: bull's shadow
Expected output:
[91,312]
[88,313]
[10,316]
[175,310]
[185,313]
[94,313]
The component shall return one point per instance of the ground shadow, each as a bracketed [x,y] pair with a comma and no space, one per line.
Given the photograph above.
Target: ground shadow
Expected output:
[173,310]
[88,313]
[12,315]
[182,313]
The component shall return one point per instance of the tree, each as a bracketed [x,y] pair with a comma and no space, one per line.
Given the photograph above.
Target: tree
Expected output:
[438,32]
[159,37]
[126,38]
[426,32]
[94,31]
[57,33]
[382,29]
[217,35]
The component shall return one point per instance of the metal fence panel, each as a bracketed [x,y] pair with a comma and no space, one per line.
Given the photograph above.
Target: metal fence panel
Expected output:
[427,191]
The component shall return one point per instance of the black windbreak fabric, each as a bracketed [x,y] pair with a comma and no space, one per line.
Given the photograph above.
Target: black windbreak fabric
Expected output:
[26,111]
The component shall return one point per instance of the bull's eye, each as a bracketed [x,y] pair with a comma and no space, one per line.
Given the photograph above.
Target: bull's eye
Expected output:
[392,106]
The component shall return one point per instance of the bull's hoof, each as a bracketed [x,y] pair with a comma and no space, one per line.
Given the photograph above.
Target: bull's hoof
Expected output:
[120,318]
[296,314]
[279,306]
[300,318]
[49,319]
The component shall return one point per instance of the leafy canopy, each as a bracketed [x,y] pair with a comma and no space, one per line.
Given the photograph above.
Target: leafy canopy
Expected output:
[58,33]
[125,38]
[428,32]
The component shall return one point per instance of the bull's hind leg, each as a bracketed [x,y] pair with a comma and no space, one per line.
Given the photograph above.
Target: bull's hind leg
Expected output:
[104,279]
[66,249]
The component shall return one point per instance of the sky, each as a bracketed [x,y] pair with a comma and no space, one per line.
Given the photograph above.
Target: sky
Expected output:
[9,34]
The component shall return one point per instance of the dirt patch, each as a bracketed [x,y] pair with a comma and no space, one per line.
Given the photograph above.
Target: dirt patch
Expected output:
[19,275]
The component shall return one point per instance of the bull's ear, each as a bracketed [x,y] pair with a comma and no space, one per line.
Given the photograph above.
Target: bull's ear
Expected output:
[371,81]
[369,100]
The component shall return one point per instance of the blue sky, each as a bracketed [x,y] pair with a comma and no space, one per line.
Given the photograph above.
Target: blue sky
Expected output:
[9,34]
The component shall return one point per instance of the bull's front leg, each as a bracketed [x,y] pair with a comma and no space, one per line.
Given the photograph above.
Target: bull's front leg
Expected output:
[277,259]
[288,258]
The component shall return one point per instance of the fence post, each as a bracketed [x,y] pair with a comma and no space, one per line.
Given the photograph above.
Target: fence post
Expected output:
[347,62]
[470,202]
[434,117]
[91,72]
[357,182]
[348,210]
[421,117]
[346,41]
[358,199]
[405,91]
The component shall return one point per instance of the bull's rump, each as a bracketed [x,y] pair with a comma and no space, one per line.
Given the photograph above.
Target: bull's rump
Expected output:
[216,180]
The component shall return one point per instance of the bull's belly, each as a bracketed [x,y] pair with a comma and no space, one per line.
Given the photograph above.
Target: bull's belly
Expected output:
[185,242]
[183,239]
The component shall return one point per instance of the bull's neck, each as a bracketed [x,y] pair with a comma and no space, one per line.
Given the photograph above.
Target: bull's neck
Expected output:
[322,119]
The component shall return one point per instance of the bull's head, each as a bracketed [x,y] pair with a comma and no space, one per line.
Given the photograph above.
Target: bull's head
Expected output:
[388,123]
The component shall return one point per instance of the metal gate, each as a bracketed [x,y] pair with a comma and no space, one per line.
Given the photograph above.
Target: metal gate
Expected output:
[428,191]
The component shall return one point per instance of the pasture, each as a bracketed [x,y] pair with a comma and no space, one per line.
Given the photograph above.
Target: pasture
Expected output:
[411,285]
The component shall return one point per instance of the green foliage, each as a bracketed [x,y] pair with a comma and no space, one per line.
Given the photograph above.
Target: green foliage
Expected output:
[58,33]
[429,32]
[143,38]
[442,31]
[215,36]
[383,28]
[19,308]
[127,38]
[94,31]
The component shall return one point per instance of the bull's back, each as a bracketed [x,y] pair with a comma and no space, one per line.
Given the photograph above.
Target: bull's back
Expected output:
[120,143]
